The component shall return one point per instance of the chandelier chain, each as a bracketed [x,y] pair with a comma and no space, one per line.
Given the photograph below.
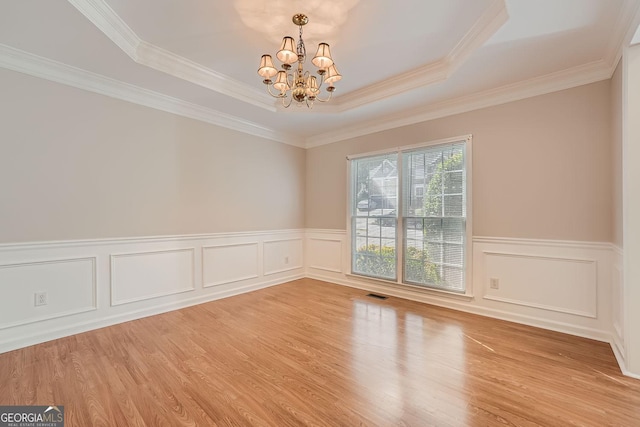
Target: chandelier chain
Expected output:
[301,50]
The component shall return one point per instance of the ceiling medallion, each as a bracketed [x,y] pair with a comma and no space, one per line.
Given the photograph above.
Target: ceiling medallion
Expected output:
[299,85]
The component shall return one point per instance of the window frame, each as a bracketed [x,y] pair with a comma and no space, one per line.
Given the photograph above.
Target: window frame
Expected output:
[400,237]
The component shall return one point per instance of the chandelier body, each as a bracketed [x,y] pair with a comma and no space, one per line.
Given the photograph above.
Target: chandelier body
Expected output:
[299,85]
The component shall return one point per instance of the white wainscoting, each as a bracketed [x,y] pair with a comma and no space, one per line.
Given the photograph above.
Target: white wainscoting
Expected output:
[283,255]
[230,263]
[144,275]
[571,287]
[557,285]
[69,284]
[325,253]
[562,284]
[96,283]
[617,306]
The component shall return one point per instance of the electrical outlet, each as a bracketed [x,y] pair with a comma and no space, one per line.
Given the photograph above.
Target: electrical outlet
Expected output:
[494,283]
[40,298]
[286,260]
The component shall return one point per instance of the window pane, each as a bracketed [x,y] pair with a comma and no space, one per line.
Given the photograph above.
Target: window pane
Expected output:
[375,186]
[374,183]
[453,182]
[434,224]
[433,185]
[453,230]
[453,205]
[453,278]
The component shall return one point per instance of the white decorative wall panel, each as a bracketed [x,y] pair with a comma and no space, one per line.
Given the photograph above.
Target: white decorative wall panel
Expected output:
[143,275]
[564,286]
[229,263]
[89,283]
[282,255]
[617,298]
[551,283]
[560,285]
[325,254]
[70,286]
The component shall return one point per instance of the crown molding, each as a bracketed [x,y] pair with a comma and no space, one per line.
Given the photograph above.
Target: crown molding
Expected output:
[625,29]
[106,20]
[561,80]
[145,53]
[177,66]
[102,16]
[486,26]
[37,66]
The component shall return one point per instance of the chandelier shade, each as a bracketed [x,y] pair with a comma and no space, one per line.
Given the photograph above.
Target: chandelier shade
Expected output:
[267,70]
[332,75]
[287,53]
[297,84]
[323,56]
[282,83]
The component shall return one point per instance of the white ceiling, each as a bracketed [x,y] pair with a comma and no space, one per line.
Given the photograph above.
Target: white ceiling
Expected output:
[402,61]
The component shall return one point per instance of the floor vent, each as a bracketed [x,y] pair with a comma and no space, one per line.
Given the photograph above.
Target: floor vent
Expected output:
[377,296]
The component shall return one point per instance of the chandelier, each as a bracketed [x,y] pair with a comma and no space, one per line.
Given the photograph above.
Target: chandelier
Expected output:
[299,85]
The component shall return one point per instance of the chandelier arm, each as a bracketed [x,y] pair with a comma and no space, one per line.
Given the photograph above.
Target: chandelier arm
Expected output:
[310,104]
[279,95]
[326,99]
[291,82]
[285,105]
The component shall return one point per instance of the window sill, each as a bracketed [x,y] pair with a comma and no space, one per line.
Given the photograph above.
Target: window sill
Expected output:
[415,288]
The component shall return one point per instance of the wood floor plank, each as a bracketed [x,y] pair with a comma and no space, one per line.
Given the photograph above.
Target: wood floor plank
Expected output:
[309,353]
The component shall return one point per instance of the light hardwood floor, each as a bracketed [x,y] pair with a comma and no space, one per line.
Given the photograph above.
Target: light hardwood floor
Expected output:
[313,353]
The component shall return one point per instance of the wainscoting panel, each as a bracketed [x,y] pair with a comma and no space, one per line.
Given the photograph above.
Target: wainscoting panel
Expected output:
[571,287]
[325,254]
[617,303]
[560,284]
[145,275]
[96,283]
[283,255]
[229,263]
[69,284]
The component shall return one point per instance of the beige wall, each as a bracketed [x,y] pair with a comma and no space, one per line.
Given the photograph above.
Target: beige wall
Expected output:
[541,166]
[616,155]
[76,165]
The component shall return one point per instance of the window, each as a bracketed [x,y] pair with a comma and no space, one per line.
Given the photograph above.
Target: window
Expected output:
[374,218]
[416,196]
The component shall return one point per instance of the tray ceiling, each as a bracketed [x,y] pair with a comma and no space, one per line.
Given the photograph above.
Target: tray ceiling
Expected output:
[402,62]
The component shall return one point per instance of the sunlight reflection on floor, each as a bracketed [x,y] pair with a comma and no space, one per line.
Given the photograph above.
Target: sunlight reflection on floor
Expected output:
[391,350]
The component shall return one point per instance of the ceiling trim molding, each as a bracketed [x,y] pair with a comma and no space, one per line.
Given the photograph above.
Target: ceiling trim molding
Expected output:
[37,66]
[486,26]
[625,29]
[150,55]
[106,20]
[557,81]
[177,66]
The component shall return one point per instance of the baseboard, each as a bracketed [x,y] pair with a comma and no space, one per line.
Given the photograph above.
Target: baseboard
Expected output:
[66,331]
[207,267]
[621,360]
[591,333]
[90,284]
